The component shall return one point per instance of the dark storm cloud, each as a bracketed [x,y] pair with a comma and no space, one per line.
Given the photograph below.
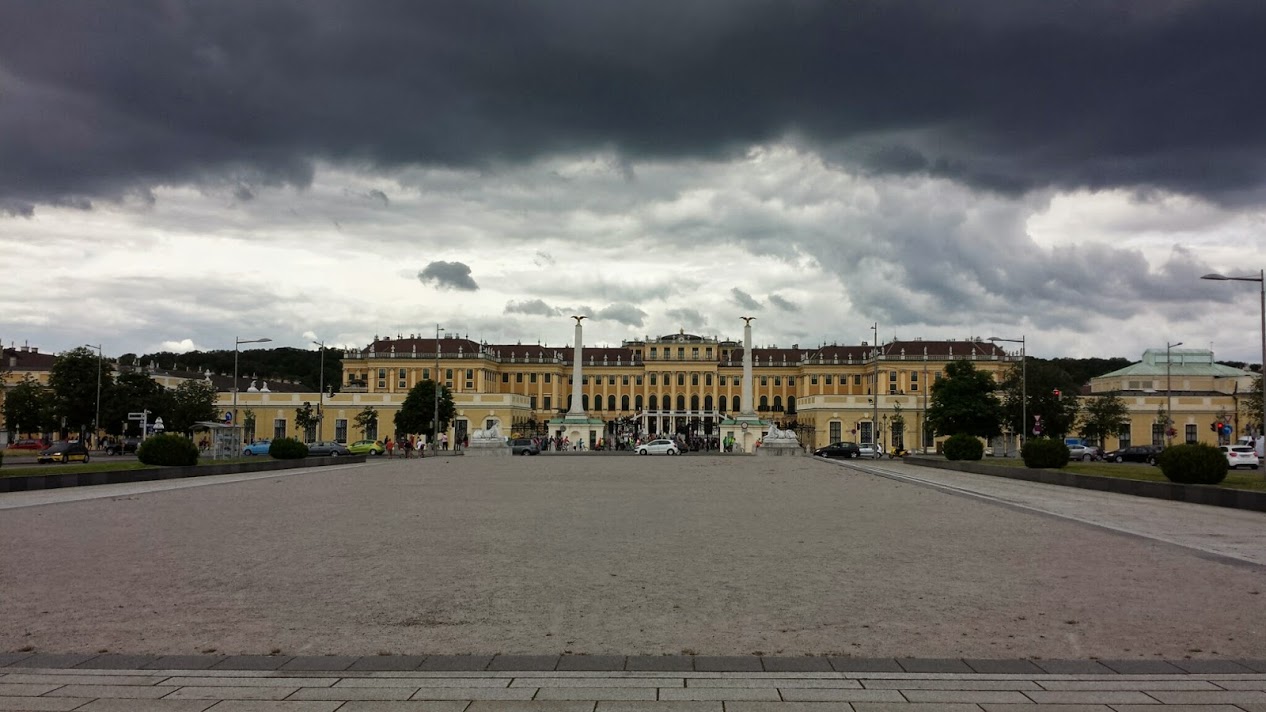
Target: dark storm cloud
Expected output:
[743,299]
[448,275]
[101,100]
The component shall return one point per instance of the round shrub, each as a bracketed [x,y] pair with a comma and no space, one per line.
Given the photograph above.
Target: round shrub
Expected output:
[1196,464]
[168,450]
[1044,452]
[287,449]
[963,447]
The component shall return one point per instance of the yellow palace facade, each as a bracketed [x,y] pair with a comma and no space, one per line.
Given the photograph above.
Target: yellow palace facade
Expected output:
[676,383]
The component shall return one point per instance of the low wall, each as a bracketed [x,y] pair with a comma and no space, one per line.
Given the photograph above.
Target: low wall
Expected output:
[112,477]
[1195,494]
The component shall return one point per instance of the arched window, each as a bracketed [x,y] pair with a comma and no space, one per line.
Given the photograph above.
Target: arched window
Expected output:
[777,404]
[694,402]
[738,405]
[654,402]
[611,403]
[707,402]
[637,402]
[624,403]
[584,401]
[681,402]
[791,405]
[764,403]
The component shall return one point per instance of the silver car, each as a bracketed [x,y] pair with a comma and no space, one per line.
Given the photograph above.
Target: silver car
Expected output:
[873,451]
[1083,452]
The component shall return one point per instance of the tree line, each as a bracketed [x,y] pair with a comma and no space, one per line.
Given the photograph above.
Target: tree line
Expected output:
[300,365]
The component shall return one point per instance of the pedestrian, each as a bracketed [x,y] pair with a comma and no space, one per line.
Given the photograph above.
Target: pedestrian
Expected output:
[391,447]
[406,444]
[443,441]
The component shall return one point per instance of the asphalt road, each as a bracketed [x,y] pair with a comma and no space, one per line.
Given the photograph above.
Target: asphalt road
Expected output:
[713,555]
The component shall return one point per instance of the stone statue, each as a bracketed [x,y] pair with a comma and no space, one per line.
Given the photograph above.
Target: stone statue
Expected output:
[493,433]
[776,433]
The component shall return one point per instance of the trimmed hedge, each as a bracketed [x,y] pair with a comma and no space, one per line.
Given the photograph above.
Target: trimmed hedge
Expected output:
[1195,464]
[287,449]
[1044,452]
[168,450]
[963,447]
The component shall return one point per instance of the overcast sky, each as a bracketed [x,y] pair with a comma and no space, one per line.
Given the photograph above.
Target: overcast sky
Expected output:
[175,174]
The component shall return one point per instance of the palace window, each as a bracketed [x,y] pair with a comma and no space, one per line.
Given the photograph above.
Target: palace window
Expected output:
[653,379]
[681,353]
[531,378]
[279,428]
[610,380]
[777,380]
[721,404]
[533,402]
[340,430]
[681,379]
[624,381]
[708,353]
[546,403]
[694,402]
[653,353]
[791,380]
[828,379]
[857,379]
[837,431]
[518,378]
[624,403]
[764,404]
[426,374]
[610,402]
[505,378]
[764,380]
[681,403]
[694,379]
[1191,433]
[547,380]
[813,381]
[654,401]
[707,379]
[638,380]
[637,403]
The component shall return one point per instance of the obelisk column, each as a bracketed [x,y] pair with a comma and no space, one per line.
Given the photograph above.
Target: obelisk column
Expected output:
[747,409]
[577,375]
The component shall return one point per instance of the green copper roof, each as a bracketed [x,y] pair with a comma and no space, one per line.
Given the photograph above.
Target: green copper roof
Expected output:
[1185,362]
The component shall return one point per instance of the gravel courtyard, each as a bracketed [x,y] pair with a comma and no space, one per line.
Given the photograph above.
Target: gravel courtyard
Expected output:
[588,554]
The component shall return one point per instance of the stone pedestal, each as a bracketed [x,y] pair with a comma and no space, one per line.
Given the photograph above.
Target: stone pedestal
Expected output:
[487,448]
[785,448]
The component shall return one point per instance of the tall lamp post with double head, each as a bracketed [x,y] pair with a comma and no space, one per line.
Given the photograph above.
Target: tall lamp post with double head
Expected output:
[237,343]
[1260,279]
[96,418]
[1024,383]
[320,391]
[435,423]
[1169,399]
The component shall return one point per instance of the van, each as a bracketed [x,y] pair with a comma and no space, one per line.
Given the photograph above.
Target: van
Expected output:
[1257,443]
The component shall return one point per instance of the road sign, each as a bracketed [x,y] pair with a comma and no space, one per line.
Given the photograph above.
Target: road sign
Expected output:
[228,416]
[138,416]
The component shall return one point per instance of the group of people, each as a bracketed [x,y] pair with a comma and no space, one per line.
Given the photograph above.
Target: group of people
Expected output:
[408,444]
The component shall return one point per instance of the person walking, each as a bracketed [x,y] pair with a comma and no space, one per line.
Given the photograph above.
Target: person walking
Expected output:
[391,447]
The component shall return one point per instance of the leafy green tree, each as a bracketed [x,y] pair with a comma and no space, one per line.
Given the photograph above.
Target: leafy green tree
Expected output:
[73,380]
[1103,416]
[248,423]
[305,418]
[1251,405]
[28,406]
[1044,378]
[367,421]
[191,402]
[269,364]
[132,392]
[418,409]
[964,402]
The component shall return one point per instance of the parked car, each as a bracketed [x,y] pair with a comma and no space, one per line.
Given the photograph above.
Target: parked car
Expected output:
[524,446]
[872,450]
[330,449]
[259,447]
[125,446]
[65,451]
[1083,452]
[839,450]
[26,444]
[1134,453]
[659,447]
[367,447]
[1240,456]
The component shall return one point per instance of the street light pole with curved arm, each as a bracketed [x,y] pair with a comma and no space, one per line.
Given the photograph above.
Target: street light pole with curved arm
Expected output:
[1024,384]
[1260,279]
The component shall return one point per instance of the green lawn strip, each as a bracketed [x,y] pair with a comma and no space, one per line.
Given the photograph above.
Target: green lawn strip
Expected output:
[1235,479]
[58,469]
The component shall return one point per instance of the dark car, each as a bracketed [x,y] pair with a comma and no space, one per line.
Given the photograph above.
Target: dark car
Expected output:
[840,449]
[1134,453]
[524,446]
[330,449]
[126,446]
[65,451]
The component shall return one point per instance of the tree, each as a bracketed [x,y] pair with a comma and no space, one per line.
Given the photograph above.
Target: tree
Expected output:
[248,423]
[418,409]
[191,402]
[964,402]
[1044,379]
[305,419]
[73,380]
[28,406]
[898,424]
[1104,416]
[1252,407]
[133,392]
[367,420]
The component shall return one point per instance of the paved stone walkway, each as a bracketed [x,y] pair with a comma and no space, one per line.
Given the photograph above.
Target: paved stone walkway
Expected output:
[472,683]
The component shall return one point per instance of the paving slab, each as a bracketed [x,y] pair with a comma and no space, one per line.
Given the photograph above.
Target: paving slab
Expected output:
[914,707]
[728,663]
[667,706]
[41,704]
[388,662]
[529,706]
[719,693]
[475,693]
[26,689]
[232,693]
[600,681]
[136,692]
[1142,667]
[76,678]
[10,658]
[52,661]
[450,663]
[1133,684]
[852,696]
[251,662]
[183,662]
[320,662]
[596,693]
[972,696]
[1030,707]
[960,684]
[591,662]
[113,661]
[1223,697]
[275,706]
[416,681]
[1096,697]
[796,664]
[659,662]
[933,665]
[354,693]
[1074,667]
[841,664]
[526,663]
[1009,667]
[427,706]
[777,682]
[1210,666]
[277,681]
[147,706]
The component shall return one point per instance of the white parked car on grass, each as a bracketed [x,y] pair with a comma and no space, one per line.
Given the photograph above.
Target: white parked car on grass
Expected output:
[658,447]
[1240,456]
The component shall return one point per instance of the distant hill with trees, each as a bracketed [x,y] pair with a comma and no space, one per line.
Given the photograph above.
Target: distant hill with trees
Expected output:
[300,365]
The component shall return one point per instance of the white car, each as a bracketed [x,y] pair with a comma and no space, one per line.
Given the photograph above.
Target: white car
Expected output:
[658,447]
[873,451]
[1240,456]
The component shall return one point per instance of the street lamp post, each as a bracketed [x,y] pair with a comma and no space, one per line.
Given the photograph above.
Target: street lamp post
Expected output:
[435,422]
[237,342]
[96,418]
[1260,279]
[1024,384]
[321,391]
[1169,400]
[874,389]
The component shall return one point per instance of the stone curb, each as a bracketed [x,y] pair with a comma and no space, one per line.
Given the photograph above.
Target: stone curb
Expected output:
[25,483]
[1194,494]
[10,662]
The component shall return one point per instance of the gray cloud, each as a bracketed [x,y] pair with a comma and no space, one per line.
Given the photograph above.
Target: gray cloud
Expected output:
[783,304]
[622,313]
[448,275]
[1002,95]
[689,318]
[542,259]
[532,306]
[743,299]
